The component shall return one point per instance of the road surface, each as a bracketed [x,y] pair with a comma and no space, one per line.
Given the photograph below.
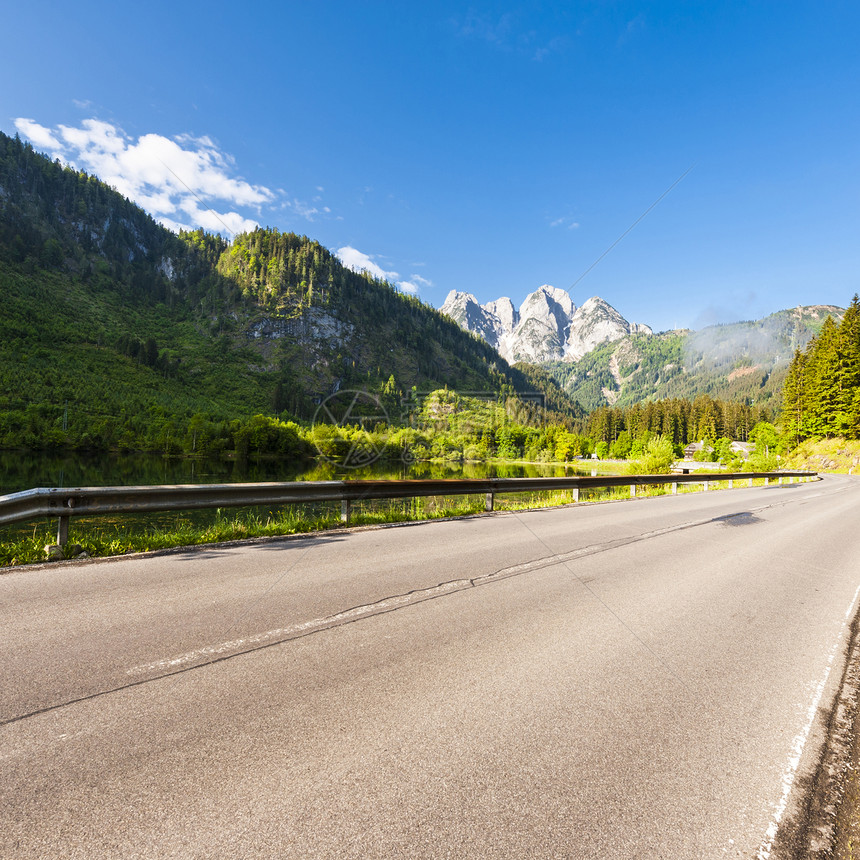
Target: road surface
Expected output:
[646,678]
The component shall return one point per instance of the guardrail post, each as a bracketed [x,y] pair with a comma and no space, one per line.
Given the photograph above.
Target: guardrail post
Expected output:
[674,488]
[488,502]
[632,491]
[780,480]
[62,531]
[767,482]
[731,484]
[751,481]
[705,486]
[575,494]
[345,510]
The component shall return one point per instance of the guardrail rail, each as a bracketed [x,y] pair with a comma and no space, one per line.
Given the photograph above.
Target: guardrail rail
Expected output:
[96,501]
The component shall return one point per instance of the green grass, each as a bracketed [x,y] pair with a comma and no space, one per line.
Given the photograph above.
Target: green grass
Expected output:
[826,455]
[119,536]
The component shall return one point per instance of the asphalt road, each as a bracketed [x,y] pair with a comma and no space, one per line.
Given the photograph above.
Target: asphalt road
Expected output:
[643,679]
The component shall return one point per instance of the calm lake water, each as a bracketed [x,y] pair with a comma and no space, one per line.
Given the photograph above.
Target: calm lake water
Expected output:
[25,470]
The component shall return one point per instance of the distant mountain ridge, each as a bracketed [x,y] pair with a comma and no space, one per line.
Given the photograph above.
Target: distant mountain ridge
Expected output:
[116,330]
[546,327]
[601,359]
[745,361]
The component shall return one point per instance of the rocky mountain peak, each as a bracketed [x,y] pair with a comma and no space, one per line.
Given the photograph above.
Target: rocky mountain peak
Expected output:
[596,322]
[554,297]
[504,309]
[464,309]
[547,327]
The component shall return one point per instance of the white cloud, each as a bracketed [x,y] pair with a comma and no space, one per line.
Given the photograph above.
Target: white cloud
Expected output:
[186,182]
[306,210]
[37,134]
[354,259]
[358,261]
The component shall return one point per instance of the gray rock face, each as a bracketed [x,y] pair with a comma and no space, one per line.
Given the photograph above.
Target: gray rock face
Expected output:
[464,309]
[594,323]
[547,327]
[544,320]
[505,311]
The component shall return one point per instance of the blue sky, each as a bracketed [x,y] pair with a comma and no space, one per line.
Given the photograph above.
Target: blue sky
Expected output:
[485,147]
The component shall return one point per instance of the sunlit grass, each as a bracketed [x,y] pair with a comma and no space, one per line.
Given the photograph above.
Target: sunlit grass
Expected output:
[99,538]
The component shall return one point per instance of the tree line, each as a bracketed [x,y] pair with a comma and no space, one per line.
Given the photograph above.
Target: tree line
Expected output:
[681,420]
[821,395]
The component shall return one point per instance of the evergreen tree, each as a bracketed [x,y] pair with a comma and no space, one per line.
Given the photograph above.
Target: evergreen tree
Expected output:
[821,396]
[849,366]
[795,403]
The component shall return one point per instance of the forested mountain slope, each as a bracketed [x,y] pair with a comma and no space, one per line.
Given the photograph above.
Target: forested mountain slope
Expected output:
[113,329]
[745,361]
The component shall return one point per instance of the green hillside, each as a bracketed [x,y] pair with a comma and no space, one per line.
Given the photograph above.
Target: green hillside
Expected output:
[116,332]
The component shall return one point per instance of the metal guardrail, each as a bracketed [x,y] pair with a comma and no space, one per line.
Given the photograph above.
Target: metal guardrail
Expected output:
[96,501]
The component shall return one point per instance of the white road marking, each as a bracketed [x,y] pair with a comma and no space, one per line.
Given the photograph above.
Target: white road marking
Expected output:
[207,653]
[799,742]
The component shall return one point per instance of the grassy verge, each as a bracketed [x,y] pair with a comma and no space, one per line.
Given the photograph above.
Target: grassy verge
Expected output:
[100,538]
[120,535]
[826,455]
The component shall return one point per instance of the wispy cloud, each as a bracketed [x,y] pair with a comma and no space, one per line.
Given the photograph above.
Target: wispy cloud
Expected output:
[414,284]
[358,261]
[632,29]
[510,31]
[183,182]
[496,30]
[565,222]
[308,211]
[38,134]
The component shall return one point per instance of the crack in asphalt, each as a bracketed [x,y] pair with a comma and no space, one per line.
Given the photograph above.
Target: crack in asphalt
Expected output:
[212,654]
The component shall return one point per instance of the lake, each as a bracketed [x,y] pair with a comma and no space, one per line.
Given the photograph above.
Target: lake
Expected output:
[22,470]
[25,470]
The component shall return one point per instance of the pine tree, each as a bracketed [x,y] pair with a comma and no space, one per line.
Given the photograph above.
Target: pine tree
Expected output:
[795,403]
[849,369]
[823,381]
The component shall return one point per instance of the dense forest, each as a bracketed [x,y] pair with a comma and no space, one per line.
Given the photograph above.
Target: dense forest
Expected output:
[447,425]
[681,420]
[821,397]
[117,333]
